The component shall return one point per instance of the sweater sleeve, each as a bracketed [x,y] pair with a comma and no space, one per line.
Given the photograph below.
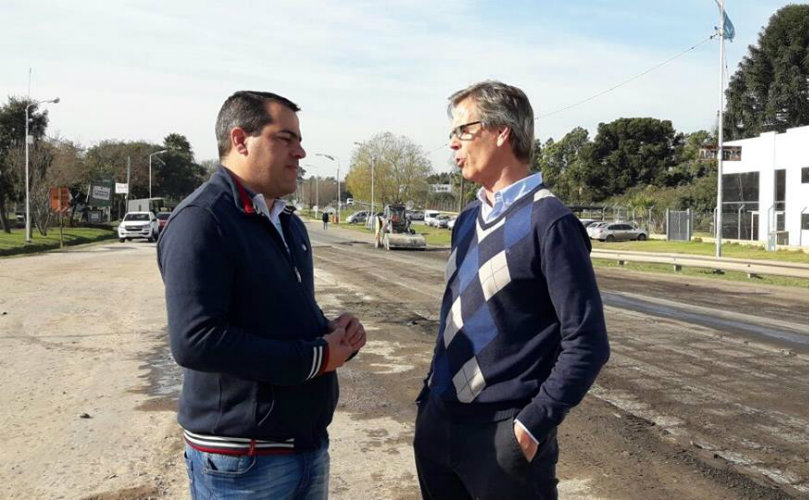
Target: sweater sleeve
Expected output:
[584,348]
[199,275]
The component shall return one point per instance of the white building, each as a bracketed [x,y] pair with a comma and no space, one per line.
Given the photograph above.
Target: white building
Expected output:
[766,193]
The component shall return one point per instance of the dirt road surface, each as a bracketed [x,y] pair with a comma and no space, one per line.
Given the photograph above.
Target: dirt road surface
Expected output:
[683,410]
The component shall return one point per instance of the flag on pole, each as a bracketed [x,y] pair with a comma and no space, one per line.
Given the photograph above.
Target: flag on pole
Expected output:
[730,30]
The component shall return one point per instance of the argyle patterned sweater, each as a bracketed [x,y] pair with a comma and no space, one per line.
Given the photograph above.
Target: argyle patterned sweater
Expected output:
[522,324]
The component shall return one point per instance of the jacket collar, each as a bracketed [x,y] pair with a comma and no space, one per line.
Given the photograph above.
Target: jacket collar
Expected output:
[242,195]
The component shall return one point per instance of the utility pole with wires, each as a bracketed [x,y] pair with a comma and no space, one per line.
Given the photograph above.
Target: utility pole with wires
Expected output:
[720,124]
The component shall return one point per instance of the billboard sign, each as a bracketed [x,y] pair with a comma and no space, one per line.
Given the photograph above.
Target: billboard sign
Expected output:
[101,193]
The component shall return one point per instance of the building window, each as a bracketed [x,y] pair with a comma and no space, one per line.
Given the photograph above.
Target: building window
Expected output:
[740,187]
[805,175]
[805,222]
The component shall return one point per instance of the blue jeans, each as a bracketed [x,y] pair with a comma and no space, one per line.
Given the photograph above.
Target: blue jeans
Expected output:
[299,476]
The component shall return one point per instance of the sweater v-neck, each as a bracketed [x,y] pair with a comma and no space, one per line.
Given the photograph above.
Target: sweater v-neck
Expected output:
[517,203]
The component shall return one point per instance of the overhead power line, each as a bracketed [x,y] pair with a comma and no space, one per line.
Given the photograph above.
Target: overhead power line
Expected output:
[689,49]
[614,87]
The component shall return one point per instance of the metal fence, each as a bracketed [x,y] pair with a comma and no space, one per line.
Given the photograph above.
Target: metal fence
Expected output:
[679,225]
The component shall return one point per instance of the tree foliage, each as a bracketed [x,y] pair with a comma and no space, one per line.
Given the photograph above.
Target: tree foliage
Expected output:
[174,173]
[178,175]
[400,170]
[625,153]
[770,89]
[560,164]
[12,132]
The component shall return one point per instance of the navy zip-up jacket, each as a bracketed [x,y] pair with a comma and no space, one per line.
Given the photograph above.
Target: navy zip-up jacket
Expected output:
[243,321]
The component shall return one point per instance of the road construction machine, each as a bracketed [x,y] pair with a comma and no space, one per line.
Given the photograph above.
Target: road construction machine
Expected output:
[392,230]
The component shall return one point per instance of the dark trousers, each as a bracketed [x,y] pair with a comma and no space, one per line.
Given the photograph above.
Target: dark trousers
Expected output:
[459,460]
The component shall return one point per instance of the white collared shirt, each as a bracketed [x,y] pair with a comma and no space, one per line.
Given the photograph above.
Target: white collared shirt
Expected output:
[278,206]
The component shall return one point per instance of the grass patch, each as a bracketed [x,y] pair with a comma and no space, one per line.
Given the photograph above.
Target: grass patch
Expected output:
[702,273]
[357,227]
[14,243]
[733,250]
[434,236]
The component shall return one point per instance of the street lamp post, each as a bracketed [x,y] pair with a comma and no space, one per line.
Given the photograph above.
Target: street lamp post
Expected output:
[27,188]
[317,190]
[150,172]
[332,158]
[373,161]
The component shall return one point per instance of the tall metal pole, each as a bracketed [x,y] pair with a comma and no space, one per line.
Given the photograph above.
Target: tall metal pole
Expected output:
[150,171]
[27,195]
[719,151]
[373,162]
[128,168]
[338,193]
[337,161]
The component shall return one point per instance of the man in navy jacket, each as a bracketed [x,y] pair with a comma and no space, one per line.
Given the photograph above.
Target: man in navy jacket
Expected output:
[521,335]
[259,356]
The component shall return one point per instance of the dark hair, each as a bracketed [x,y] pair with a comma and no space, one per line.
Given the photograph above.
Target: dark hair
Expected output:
[502,105]
[247,110]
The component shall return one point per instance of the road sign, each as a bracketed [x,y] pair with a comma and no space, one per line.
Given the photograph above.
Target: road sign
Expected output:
[60,199]
[121,188]
[729,153]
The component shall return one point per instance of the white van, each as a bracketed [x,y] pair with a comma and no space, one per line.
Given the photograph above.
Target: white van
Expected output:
[431,217]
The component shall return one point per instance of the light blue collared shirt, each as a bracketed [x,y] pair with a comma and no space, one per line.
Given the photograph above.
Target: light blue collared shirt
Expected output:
[506,196]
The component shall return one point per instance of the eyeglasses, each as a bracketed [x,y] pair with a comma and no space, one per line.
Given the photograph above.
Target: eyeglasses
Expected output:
[460,131]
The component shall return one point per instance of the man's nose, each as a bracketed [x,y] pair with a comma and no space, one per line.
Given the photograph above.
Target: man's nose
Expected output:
[454,142]
[299,153]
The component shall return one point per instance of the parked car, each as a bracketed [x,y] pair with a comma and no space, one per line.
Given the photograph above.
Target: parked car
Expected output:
[162,220]
[593,226]
[138,225]
[619,231]
[430,217]
[442,221]
[451,223]
[415,215]
[357,217]
[349,202]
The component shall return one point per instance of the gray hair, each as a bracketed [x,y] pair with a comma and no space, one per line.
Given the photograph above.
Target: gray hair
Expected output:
[502,105]
[247,110]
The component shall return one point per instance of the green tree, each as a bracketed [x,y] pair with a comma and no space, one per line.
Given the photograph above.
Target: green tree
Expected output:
[625,153]
[688,165]
[12,132]
[559,163]
[400,170]
[108,159]
[178,175]
[770,89]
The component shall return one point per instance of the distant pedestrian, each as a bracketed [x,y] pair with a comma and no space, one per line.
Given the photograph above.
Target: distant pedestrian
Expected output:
[325,219]
[522,334]
[259,357]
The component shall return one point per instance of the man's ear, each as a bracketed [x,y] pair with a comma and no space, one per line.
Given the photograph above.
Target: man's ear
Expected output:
[238,137]
[503,136]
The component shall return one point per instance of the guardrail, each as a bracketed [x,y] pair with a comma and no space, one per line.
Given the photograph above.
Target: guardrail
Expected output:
[753,268]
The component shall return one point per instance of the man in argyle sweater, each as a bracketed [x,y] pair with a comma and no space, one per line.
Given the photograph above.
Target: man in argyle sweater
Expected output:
[522,334]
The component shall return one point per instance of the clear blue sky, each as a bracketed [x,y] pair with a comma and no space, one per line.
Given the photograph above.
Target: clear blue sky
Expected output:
[144,69]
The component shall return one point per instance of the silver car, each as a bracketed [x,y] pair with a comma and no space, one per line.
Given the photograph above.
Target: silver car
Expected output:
[618,231]
[357,217]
